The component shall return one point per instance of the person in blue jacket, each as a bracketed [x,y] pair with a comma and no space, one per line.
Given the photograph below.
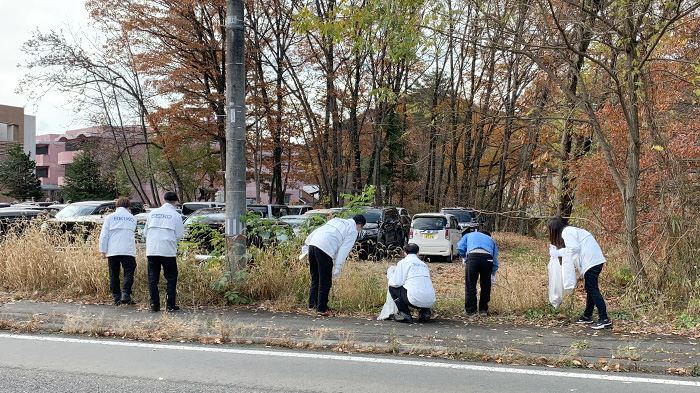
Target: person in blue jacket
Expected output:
[480,255]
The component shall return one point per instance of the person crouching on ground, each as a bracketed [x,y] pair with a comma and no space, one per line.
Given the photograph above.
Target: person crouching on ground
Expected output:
[579,244]
[163,230]
[332,241]
[410,286]
[117,244]
[481,255]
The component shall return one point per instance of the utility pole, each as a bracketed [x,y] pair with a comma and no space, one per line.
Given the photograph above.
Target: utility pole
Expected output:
[235,135]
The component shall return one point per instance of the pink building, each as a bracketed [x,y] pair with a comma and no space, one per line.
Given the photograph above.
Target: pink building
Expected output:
[54,152]
[50,163]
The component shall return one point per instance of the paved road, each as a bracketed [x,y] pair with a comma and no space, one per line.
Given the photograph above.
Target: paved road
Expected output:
[60,364]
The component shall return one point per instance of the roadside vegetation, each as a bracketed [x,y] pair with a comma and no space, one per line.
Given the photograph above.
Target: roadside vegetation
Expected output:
[51,266]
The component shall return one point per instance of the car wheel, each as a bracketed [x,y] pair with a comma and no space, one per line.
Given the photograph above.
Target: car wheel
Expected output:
[451,257]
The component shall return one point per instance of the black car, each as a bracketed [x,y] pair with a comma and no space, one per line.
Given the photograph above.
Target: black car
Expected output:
[405,220]
[465,216]
[382,233]
[17,217]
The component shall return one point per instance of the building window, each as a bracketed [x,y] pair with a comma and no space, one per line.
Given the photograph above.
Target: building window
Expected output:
[73,146]
[41,150]
[42,172]
[286,198]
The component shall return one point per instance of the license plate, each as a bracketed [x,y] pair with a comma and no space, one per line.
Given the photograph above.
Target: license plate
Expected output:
[428,236]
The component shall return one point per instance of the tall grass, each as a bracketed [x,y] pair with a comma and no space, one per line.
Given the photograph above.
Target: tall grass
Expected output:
[48,265]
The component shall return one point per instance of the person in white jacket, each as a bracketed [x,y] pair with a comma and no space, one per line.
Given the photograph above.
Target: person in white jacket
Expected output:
[410,286]
[163,230]
[331,241]
[579,245]
[117,244]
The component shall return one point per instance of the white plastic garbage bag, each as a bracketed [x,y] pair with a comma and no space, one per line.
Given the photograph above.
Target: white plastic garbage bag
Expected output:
[556,283]
[389,307]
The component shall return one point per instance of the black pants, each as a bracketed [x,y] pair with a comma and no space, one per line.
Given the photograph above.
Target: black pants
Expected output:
[321,268]
[478,269]
[593,296]
[400,296]
[128,262]
[169,265]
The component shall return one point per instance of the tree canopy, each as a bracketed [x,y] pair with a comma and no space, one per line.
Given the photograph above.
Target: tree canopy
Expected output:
[84,179]
[18,175]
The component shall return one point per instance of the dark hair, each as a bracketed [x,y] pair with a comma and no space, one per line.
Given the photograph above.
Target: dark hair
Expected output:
[555,226]
[487,233]
[360,219]
[411,248]
[170,197]
[123,202]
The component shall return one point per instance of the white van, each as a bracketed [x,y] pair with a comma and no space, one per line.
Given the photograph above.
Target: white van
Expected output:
[436,234]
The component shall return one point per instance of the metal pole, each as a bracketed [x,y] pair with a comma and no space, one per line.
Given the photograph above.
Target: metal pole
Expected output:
[235,135]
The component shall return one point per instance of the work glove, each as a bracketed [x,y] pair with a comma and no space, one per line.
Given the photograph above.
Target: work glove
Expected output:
[464,261]
[336,274]
[493,279]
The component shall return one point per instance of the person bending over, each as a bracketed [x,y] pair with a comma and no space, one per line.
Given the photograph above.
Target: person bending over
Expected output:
[481,255]
[332,241]
[581,246]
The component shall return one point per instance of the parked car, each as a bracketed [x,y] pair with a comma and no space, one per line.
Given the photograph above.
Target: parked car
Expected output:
[436,234]
[85,216]
[382,233]
[465,216]
[188,208]
[50,209]
[405,219]
[17,217]
[269,211]
[325,213]
[274,231]
[295,221]
[299,209]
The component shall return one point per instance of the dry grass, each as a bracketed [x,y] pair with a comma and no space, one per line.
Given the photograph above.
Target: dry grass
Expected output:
[49,266]
[277,275]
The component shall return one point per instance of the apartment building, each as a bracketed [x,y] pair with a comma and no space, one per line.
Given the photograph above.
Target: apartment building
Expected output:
[16,127]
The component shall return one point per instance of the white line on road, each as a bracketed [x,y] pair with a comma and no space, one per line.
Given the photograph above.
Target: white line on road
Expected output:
[349,358]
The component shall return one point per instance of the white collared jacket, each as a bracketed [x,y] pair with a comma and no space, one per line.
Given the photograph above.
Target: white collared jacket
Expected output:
[163,230]
[582,247]
[414,275]
[117,235]
[336,239]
